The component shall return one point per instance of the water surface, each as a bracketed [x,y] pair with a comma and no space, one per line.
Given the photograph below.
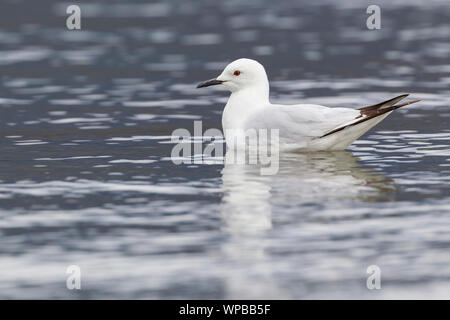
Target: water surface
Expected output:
[86,177]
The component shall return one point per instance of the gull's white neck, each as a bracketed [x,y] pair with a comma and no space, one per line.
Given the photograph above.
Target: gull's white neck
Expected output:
[258,91]
[242,103]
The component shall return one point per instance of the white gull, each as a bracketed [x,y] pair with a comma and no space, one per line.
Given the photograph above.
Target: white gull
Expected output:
[302,127]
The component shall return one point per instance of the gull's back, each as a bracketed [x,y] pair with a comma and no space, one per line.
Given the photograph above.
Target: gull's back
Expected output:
[299,125]
[314,127]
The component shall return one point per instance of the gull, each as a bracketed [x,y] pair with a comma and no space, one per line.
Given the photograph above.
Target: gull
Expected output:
[301,127]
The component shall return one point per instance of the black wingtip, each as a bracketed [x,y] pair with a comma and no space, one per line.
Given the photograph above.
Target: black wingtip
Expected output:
[405,104]
[374,111]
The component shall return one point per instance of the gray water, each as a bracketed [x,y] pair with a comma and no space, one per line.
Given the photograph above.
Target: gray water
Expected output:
[86,177]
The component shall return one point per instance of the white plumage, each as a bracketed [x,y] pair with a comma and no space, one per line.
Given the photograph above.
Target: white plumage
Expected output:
[302,127]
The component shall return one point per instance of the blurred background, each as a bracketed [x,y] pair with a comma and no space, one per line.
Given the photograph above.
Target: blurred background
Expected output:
[86,177]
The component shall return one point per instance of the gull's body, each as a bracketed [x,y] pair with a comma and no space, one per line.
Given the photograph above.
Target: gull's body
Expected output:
[302,126]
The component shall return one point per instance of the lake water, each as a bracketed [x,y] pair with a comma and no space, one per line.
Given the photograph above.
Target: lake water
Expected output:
[86,177]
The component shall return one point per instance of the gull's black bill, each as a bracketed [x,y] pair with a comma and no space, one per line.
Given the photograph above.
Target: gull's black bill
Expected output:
[208,83]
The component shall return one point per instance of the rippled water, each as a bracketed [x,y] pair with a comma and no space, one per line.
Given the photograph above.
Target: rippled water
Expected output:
[86,177]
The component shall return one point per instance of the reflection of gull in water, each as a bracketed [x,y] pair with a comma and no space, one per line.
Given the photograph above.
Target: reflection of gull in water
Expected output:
[246,198]
[249,196]
[247,211]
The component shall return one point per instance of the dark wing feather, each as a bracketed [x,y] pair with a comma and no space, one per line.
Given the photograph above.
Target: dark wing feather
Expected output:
[373,111]
[380,105]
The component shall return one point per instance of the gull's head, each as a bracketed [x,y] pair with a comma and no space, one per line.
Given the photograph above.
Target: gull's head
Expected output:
[241,74]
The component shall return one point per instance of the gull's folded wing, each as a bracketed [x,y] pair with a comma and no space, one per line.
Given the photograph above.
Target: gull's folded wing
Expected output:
[370,112]
[308,122]
[297,122]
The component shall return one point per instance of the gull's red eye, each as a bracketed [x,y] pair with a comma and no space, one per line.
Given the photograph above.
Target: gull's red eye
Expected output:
[236,73]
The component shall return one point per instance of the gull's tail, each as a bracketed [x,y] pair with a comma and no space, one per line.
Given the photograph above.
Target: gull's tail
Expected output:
[344,135]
